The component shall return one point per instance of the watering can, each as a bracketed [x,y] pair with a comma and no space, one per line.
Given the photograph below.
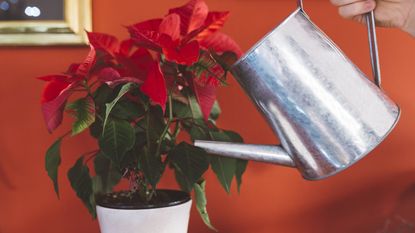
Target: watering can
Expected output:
[325,111]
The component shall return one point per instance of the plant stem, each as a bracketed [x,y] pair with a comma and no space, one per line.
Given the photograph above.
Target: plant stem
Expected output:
[166,129]
[148,127]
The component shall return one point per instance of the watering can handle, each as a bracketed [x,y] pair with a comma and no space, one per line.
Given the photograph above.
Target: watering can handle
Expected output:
[373,45]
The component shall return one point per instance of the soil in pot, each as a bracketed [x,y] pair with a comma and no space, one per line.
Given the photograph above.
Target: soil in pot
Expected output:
[133,200]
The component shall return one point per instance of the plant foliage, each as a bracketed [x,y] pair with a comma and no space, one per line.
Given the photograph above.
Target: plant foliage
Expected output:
[136,96]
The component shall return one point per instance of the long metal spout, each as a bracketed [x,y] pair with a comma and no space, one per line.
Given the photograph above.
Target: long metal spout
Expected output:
[260,153]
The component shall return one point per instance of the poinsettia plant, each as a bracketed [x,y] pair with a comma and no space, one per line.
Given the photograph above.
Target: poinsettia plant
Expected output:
[136,97]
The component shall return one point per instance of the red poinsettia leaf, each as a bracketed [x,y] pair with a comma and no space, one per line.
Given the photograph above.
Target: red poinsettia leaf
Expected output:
[87,64]
[53,89]
[192,15]
[57,77]
[171,26]
[136,65]
[206,97]
[184,55]
[103,42]
[125,47]
[155,87]
[112,77]
[214,22]
[221,43]
[146,34]
[73,68]
[54,97]
[142,58]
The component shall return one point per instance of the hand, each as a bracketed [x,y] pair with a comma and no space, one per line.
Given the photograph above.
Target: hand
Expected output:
[388,13]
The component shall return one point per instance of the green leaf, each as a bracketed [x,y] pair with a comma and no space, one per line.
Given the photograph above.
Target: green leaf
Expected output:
[224,168]
[240,170]
[152,166]
[81,183]
[241,165]
[108,174]
[201,202]
[153,122]
[118,138]
[84,112]
[52,162]
[127,110]
[181,110]
[195,108]
[102,95]
[215,112]
[189,163]
[197,133]
[124,90]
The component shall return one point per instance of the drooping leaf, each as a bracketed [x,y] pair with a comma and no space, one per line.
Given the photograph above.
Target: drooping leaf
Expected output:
[189,163]
[117,139]
[52,162]
[155,86]
[84,112]
[81,183]
[192,15]
[54,97]
[124,90]
[220,43]
[201,203]
[152,166]
[108,174]
[223,167]
[104,42]
[241,165]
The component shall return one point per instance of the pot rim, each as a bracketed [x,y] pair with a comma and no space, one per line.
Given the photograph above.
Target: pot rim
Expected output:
[181,197]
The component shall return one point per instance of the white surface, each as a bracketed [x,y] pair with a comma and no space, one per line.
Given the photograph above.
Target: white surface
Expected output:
[174,219]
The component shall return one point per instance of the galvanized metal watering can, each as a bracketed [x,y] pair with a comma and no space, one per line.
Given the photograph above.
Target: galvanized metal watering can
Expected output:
[325,111]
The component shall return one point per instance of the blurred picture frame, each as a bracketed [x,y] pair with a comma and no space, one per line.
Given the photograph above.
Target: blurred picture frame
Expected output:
[63,26]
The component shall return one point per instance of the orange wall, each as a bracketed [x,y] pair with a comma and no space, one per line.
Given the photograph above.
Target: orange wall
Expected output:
[273,199]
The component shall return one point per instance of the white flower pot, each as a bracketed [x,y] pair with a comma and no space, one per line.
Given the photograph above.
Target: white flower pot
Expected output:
[169,218]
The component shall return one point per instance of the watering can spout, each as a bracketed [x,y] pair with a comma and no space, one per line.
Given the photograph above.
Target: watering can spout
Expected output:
[260,153]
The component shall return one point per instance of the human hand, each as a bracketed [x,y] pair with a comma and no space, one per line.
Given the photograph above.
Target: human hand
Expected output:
[388,13]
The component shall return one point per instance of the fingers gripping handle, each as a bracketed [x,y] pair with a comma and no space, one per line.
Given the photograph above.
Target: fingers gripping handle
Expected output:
[373,45]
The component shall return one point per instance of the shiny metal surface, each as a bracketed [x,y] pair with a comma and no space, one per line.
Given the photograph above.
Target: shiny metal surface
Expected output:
[373,46]
[327,114]
[260,153]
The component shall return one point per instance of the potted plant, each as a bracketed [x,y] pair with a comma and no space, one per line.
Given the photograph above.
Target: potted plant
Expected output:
[136,97]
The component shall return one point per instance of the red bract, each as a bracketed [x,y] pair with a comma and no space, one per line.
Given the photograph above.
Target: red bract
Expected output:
[155,86]
[181,35]
[54,97]
[192,15]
